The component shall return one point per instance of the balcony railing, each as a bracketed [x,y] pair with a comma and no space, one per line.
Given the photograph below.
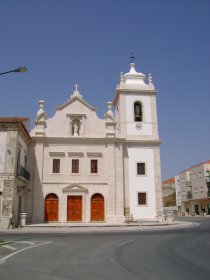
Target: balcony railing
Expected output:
[189,195]
[188,184]
[23,173]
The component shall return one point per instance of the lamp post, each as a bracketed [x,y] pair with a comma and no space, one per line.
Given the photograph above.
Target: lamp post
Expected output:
[17,70]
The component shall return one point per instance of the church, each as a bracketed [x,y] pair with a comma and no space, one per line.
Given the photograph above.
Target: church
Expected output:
[86,169]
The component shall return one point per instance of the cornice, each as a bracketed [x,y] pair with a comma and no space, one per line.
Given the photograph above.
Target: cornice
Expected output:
[154,143]
[133,91]
[20,128]
[77,140]
[76,182]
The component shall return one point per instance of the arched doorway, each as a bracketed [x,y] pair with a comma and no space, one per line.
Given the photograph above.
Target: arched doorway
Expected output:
[97,208]
[51,208]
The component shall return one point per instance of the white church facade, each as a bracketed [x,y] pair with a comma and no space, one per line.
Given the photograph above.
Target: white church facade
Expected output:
[77,167]
[86,169]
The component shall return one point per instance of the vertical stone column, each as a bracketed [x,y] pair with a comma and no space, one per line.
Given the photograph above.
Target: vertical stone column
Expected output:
[115,201]
[9,195]
[158,184]
[38,199]
[111,197]
[126,183]
[119,183]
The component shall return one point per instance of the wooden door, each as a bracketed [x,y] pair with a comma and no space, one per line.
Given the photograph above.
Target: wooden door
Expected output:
[97,208]
[51,208]
[74,208]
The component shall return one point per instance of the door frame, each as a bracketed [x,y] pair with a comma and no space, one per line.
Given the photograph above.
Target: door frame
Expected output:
[91,199]
[67,217]
[56,198]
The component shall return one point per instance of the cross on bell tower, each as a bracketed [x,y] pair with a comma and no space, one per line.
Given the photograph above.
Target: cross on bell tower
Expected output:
[132,57]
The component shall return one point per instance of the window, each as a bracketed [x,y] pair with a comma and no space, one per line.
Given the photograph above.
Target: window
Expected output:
[18,159]
[75,166]
[138,111]
[56,165]
[142,198]
[25,161]
[94,166]
[141,168]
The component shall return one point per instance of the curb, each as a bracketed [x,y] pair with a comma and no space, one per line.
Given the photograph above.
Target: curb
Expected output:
[5,243]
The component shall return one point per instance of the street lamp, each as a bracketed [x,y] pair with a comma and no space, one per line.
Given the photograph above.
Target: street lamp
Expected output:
[17,70]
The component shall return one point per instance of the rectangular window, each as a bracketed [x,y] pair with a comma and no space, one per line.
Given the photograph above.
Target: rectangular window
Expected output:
[94,166]
[141,168]
[142,198]
[75,166]
[56,165]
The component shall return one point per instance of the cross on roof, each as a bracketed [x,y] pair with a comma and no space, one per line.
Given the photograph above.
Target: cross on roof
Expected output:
[132,57]
[76,86]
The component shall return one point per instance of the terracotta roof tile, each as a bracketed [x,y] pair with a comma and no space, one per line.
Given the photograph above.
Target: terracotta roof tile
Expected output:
[13,119]
[169,181]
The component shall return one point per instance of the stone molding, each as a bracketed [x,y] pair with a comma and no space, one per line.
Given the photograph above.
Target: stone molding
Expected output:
[94,154]
[75,188]
[75,154]
[80,183]
[57,154]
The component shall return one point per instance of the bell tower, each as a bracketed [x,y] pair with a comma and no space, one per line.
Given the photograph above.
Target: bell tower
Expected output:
[136,118]
[135,106]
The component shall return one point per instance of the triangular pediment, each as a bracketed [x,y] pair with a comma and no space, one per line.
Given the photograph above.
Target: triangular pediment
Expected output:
[75,188]
[72,100]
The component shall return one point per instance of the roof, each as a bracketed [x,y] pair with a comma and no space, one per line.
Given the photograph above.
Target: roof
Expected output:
[169,181]
[13,119]
[22,121]
[195,165]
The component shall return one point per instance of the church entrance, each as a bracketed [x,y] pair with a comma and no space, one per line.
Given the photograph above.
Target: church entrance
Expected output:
[74,208]
[97,208]
[51,208]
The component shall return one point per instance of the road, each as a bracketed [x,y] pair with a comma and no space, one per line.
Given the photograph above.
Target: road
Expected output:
[148,255]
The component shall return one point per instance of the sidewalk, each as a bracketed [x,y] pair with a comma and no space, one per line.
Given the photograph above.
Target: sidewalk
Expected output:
[99,227]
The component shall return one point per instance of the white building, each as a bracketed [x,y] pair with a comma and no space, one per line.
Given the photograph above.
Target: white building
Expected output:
[193,189]
[14,177]
[86,169]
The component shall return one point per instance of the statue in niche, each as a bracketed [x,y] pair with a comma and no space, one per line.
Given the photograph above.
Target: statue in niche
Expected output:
[75,129]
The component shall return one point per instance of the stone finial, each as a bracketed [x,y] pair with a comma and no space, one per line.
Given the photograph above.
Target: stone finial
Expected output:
[109,112]
[150,79]
[150,83]
[121,80]
[121,77]
[41,107]
[40,119]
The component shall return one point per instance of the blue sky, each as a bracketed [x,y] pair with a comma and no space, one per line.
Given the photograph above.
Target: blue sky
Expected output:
[89,42]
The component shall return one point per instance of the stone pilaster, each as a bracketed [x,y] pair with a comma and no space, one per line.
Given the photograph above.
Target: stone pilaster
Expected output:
[38,199]
[158,181]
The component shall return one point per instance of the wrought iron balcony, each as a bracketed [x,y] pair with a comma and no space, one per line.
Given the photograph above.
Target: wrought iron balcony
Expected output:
[189,195]
[21,171]
[208,181]
[188,184]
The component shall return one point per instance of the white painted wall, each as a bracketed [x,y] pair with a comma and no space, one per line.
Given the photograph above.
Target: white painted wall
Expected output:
[147,117]
[3,139]
[141,183]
